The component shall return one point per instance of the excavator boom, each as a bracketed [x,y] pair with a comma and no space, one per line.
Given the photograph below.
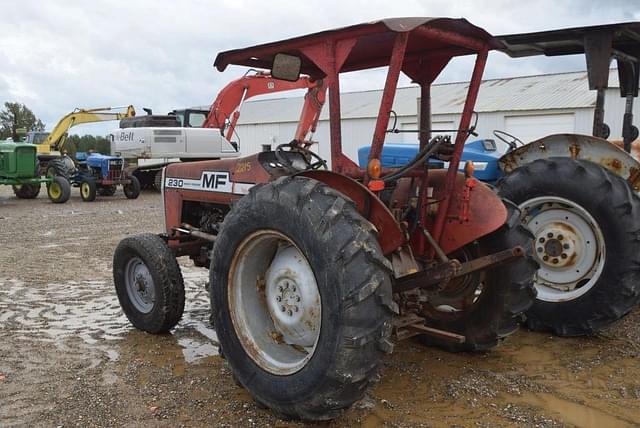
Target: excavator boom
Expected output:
[225,110]
[56,138]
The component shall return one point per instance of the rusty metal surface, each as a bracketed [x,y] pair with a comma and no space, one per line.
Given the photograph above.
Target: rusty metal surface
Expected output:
[582,147]
[410,325]
[450,185]
[245,171]
[374,46]
[439,274]
[390,234]
[386,104]
[486,212]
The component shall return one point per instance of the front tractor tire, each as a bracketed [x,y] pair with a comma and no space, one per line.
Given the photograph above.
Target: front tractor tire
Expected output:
[301,297]
[132,190]
[486,306]
[88,190]
[59,190]
[148,283]
[585,221]
[26,191]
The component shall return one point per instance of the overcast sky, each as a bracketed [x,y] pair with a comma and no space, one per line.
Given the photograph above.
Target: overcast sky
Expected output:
[58,55]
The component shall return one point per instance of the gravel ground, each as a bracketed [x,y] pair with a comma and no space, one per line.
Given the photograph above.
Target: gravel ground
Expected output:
[68,357]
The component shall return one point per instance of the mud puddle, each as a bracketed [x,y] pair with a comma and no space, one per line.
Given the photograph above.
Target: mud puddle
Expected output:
[89,311]
[532,379]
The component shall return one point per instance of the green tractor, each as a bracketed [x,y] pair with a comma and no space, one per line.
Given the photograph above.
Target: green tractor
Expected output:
[18,168]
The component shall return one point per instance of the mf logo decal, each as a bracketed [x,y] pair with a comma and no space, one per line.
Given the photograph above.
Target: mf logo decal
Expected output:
[216,181]
[210,181]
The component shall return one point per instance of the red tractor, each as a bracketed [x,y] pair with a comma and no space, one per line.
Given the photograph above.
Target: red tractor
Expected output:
[314,272]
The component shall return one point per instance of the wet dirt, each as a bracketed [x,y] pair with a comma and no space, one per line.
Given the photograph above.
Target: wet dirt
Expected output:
[68,356]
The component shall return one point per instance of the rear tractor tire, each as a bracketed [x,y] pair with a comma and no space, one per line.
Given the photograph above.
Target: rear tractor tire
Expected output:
[59,190]
[26,191]
[301,297]
[486,306]
[148,283]
[132,190]
[88,190]
[58,166]
[585,220]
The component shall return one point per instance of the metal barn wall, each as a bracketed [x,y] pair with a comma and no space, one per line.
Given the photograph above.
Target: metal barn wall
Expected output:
[358,132]
[274,121]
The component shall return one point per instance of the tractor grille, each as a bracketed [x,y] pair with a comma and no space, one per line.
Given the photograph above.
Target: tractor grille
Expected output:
[115,170]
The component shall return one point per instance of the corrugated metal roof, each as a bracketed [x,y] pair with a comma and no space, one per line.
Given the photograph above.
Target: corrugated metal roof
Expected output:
[542,92]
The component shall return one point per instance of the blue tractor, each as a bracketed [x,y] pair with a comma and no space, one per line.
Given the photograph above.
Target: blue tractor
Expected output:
[95,173]
[483,153]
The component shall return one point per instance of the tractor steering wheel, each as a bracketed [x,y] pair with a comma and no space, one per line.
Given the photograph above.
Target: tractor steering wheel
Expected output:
[511,142]
[284,158]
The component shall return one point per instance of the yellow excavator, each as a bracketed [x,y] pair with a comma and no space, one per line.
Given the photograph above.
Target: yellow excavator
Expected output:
[50,144]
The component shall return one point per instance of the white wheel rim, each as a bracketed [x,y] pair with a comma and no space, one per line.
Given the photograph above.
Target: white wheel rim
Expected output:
[569,246]
[274,302]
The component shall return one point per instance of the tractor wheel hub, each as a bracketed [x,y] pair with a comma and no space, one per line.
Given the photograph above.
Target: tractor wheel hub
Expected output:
[556,245]
[569,245]
[292,298]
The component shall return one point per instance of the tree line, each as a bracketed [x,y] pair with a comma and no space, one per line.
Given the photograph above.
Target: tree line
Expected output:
[17,119]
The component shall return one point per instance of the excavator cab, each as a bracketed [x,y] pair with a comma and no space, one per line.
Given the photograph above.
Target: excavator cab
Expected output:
[191,118]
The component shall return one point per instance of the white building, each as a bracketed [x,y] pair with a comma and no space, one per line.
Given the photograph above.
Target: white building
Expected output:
[527,107]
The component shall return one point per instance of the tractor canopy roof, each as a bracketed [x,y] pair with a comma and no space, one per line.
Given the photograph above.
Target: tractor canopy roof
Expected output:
[599,43]
[623,38]
[367,45]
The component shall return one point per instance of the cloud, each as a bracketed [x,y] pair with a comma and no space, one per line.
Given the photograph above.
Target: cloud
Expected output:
[56,56]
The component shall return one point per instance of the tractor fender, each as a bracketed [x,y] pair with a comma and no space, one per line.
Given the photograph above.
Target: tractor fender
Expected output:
[575,146]
[390,234]
[475,210]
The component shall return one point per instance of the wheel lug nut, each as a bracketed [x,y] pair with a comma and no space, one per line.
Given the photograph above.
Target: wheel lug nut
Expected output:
[540,249]
[297,299]
[560,237]
[545,258]
[280,288]
[563,255]
[555,261]
[293,288]
[278,299]
[541,240]
[565,246]
[295,308]
[289,312]
[549,235]
[283,308]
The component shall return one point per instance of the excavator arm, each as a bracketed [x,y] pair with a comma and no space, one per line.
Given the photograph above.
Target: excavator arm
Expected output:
[225,110]
[56,138]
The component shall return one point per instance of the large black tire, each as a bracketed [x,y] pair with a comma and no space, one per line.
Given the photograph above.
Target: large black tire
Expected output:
[59,190]
[59,166]
[165,282]
[354,284]
[616,209]
[88,190]
[26,191]
[507,292]
[132,190]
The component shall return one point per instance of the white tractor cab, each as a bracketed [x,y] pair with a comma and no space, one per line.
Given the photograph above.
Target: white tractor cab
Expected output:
[149,143]
[579,194]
